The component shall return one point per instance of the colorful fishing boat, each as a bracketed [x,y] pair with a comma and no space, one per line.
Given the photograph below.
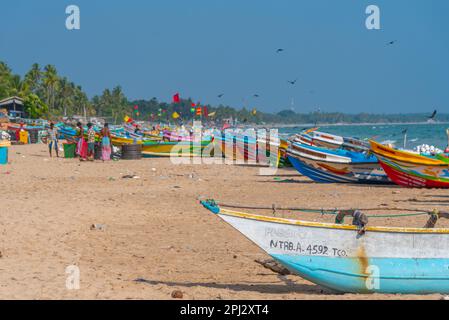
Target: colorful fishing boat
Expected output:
[268,151]
[142,133]
[119,137]
[413,170]
[336,166]
[350,258]
[177,149]
[312,137]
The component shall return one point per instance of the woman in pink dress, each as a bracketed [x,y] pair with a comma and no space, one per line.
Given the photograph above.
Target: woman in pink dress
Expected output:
[106,145]
[81,147]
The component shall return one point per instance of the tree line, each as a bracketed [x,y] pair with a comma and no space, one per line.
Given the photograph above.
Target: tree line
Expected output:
[49,95]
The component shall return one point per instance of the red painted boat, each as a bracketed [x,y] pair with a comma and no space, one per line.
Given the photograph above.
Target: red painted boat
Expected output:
[405,179]
[413,170]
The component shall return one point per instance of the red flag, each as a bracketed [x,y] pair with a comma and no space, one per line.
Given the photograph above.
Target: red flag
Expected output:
[205,111]
[193,105]
[198,111]
[176,98]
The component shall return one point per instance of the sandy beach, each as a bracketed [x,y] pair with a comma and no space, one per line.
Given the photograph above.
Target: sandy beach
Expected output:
[155,237]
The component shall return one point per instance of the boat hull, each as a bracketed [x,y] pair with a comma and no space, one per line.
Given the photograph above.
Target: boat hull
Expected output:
[339,173]
[176,149]
[383,260]
[416,176]
[325,166]
[412,170]
[250,151]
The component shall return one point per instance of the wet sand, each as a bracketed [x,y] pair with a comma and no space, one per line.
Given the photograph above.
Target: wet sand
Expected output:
[155,237]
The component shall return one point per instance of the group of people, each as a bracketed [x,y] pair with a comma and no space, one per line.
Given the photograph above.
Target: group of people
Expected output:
[85,149]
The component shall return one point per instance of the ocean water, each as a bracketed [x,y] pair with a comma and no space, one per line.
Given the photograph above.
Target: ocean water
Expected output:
[417,134]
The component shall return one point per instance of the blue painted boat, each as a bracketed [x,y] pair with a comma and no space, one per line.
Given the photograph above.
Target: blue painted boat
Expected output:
[336,166]
[340,257]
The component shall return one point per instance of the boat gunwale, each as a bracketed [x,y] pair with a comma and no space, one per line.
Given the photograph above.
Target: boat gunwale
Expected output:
[325,225]
[401,156]
[293,153]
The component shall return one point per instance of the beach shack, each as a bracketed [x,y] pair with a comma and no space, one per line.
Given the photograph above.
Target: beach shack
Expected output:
[14,106]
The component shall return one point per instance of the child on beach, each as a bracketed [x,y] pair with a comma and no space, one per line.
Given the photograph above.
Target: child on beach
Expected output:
[53,139]
[90,142]
[106,146]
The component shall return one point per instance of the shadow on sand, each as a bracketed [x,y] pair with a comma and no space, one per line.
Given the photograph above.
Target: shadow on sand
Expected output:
[269,288]
[288,181]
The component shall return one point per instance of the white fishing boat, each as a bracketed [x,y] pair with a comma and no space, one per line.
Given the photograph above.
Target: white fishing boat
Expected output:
[351,258]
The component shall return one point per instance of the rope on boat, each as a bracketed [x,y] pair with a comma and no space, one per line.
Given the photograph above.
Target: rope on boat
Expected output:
[359,218]
[331,211]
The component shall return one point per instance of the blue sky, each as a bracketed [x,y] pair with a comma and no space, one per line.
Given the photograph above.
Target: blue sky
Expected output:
[203,48]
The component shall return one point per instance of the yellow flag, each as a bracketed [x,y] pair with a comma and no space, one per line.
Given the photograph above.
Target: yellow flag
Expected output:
[254,112]
[212,114]
[175,115]
[126,118]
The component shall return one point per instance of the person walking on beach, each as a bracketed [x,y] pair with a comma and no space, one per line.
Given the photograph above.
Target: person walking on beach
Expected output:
[106,145]
[53,139]
[90,142]
[81,148]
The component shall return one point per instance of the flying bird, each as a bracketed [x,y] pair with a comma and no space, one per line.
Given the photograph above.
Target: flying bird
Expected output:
[279,50]
[433,115]
[292,82]
[221,95]
[256,96]
[391,42]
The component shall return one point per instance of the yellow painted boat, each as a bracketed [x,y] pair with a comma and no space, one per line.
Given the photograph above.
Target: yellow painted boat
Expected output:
[174,149]
[403,156]
[118,141]
[5,143]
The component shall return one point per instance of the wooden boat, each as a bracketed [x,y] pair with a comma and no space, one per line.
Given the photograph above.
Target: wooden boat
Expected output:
[227,146]
[413,170]
[303,138]
[142,135]
[349,258]
[336,166]
[260,150]
[176,149]
[119,141]
[312,137]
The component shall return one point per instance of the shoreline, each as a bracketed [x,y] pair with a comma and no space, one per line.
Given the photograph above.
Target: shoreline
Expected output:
[280,125]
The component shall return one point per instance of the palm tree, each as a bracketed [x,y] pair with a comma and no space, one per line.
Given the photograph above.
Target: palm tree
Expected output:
[50,82]
[18,87]
[65,95]
[33,78]
[5,80]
